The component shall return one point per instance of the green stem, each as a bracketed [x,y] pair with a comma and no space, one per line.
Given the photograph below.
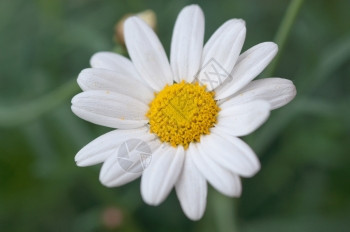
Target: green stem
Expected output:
[283,32]
[13,116]
[224,212]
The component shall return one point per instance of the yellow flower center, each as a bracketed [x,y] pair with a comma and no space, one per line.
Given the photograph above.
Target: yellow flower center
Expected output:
[181,113]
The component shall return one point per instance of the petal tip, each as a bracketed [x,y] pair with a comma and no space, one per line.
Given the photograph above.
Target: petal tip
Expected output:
[293,91]
[195,215]
[192,6]
[240,22]
[79,159]
[131,21]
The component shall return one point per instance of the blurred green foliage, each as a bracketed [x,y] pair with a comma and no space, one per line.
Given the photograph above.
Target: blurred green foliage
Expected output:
[304,147]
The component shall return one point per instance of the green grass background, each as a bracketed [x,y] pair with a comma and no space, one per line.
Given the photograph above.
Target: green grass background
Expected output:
[304,147]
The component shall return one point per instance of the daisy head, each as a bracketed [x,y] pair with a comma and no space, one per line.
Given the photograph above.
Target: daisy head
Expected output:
[179,120]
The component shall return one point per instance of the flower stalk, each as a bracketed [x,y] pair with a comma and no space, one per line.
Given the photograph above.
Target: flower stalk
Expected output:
[283,31]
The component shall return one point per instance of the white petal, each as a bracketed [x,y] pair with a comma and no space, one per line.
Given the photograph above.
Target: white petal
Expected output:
[221,52]
[103,79]
[250,64]
[242,119]
[187,43]
[114,62]
[191,189]
[230,153]
[219,177]
[113,173]
[161,175]
[147,53]
[277,91]
[104,146]
[110,109]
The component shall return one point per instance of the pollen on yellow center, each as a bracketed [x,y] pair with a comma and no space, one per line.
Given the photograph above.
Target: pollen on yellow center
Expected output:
[182,112]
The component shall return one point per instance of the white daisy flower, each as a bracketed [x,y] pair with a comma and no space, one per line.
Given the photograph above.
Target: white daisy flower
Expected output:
[189,112]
